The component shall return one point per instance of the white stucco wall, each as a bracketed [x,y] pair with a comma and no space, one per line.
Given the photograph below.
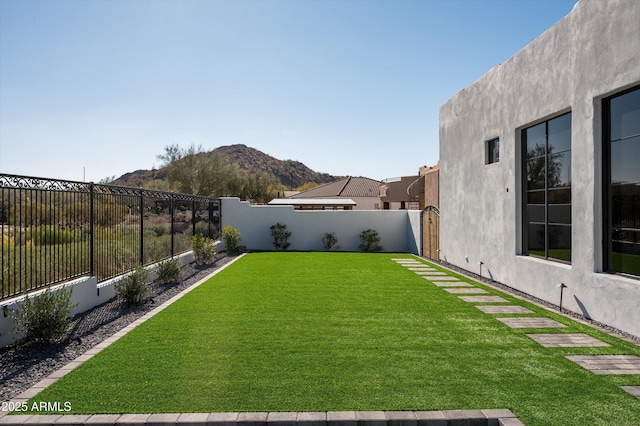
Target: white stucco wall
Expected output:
[590,54]
[397,232]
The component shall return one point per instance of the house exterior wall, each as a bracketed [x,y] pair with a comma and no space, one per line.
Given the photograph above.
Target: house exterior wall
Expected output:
[590,54]
[398,230]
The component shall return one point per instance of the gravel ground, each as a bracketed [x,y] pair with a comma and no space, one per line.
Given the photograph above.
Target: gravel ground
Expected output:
[22,366]
[595,324]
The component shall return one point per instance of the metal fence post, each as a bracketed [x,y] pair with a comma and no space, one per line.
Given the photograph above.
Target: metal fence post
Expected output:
[172,207]
[141,226]
[91,232]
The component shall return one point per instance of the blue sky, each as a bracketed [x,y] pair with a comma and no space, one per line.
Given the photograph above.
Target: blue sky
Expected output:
[97,88]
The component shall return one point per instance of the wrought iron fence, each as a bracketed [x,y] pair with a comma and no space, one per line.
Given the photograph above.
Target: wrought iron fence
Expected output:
[56,230]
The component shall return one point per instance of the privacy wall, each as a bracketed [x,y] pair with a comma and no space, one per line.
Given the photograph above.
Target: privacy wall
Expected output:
[398,229]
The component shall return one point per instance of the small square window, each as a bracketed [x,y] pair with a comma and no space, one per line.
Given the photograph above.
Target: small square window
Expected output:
[492,151]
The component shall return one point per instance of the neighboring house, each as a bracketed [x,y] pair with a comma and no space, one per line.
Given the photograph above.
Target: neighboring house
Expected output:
[403,193]
[315,203]
[540,166]
[364,191]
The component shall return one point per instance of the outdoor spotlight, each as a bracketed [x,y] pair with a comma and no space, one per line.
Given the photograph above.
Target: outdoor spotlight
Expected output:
[562,287]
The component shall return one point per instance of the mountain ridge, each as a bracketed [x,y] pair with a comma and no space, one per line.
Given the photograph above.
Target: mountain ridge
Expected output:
[291,173]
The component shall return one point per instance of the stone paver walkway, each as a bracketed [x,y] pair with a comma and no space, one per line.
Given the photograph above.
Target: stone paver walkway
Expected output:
[484,299]
[451,284]
[504,309]
[441,278]
[633,390]
[608,364]
[598,364]
[567,340]
[529,322]
[431,273]
[465,290]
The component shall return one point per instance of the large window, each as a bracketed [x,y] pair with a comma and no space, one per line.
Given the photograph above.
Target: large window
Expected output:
[622,182]
[547,189]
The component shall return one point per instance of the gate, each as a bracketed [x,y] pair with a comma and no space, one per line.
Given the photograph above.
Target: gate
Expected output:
[431,233]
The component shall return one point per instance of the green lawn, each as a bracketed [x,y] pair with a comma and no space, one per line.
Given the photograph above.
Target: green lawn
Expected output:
[342,331]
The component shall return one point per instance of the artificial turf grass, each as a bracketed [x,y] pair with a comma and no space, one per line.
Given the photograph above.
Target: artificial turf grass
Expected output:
[341,331]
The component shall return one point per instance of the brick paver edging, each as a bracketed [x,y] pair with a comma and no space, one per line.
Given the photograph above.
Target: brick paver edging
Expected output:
[500,417]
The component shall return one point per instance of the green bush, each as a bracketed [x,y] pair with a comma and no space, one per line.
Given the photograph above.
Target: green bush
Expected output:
[330,242]
[203,249]
[280,236]
[168,271]
[370,241]
[45,318]
[134,289]
[231,239]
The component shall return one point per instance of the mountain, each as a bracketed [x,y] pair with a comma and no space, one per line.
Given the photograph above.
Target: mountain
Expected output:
[291,174]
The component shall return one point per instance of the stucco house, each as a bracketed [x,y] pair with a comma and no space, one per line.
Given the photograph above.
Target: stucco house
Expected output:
[540,166]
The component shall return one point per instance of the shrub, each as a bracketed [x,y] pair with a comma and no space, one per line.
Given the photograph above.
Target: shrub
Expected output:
[231,238]
[280,236]
[168,271]
[134,289]
[329,241]
[45,318]
[203,249]
[370,241]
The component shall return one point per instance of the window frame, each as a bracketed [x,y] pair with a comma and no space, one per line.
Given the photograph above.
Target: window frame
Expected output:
[545,191]
[491,154]
[607,196]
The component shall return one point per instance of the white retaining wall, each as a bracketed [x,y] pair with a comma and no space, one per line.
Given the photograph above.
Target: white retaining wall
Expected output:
[399,229]
[86,292]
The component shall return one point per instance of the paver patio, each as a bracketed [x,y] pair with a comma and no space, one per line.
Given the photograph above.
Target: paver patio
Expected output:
[567,340]
[528,322]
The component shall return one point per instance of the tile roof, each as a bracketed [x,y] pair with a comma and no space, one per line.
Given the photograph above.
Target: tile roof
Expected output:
[347,187]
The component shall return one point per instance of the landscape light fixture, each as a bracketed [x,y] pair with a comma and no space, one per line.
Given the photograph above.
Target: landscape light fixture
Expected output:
[562,287]
[480,264]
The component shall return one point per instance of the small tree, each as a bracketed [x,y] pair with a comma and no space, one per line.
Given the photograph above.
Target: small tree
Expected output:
[203,249]
[370,241]
[329,241]
[231,238]
[134,289]
[46,317]
[280,236]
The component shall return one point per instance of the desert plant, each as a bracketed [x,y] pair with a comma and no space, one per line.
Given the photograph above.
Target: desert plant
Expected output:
[134,289]
[203,249]
[370,241]
[231,238]
[46,317]
[168,271]
[280,236]
[330,242]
